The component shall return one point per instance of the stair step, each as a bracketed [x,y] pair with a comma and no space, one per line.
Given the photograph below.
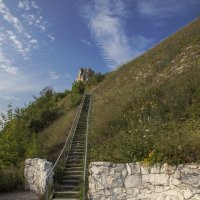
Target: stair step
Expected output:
[64,199]
[65,194]
[68,187]
[74,168]
[76,155]
[76,145]
[72,171]
[71,181]
[79,152]
[74,165]
[71,177]
[74,161]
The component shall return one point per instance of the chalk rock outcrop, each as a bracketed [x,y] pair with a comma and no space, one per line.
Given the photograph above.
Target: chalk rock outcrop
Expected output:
[85,74]
[134,181]
[35,173]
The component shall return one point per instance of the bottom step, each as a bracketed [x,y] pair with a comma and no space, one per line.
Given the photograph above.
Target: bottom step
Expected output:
[64,199]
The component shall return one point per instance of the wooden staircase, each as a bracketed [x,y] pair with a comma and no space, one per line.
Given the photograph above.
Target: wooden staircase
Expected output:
[70,186]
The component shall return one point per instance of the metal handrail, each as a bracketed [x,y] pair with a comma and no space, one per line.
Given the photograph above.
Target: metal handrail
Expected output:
[67,144]
[86,149]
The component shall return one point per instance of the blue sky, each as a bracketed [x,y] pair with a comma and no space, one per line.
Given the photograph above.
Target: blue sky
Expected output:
[45,42]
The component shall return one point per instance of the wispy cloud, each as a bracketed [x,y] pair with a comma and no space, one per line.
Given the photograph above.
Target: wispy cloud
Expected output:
[36,20]
[67,75]
[16,84]
[17,36]
[51,37]
[17,44]
[32,14]
[164,9]
[86,42]
[107,25]
[9,98]
[24,5]
[7,15]
[6,64]
[54,75]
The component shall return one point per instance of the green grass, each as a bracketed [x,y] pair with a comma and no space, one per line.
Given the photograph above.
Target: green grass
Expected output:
[55,136]
[149,109]
[46,144]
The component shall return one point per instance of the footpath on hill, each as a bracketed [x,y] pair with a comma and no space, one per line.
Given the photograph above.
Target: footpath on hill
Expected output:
[26,195]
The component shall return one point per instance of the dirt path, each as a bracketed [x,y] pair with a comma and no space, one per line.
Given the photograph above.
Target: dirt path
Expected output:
[19,196]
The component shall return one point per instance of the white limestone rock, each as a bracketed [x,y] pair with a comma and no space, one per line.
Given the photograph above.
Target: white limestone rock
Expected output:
[35,172]
[156,179]
[132,181]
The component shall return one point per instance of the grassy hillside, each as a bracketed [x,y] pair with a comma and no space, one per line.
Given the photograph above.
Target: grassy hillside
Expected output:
[37,130]
[149,109]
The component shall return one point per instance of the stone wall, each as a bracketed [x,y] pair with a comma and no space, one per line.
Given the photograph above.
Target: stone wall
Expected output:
[35,173]
[108,181]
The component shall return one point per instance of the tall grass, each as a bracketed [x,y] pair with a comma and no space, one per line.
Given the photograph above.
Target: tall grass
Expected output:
[52,139]
[149,109]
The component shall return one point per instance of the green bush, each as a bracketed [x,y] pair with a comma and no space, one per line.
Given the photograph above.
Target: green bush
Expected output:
[11,179]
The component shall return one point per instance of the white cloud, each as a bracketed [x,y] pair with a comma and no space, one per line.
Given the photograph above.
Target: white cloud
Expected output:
[51,37]
[67,75]
[9,97]
[34,41]
[34,5]
[164,9]
[16,84]
[6,65]
[17,44]
[28,5]
[35,19]
[24,5]
[54,76]
[9,69]
[86,42]
[7,15]
[107,28]
[106,22]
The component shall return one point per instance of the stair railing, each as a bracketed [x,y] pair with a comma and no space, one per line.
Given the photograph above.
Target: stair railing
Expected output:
[86,149]
[65,150]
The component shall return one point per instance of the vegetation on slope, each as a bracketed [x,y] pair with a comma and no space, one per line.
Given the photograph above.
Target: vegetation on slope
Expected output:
[149,109]
[37,130]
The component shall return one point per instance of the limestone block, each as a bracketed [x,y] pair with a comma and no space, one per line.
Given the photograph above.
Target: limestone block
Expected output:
[133,168]
[124,173]
[190,176]
[174,181]
[173,194]
[192,166]
[187,193]
[94,170]
[132,181]
[195,197]
[177,174]
[160,189]
[118,191]
[145,169]
[155,169]
[119,167]
[133,192]
[35,172]
[156,179]
[167,169]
